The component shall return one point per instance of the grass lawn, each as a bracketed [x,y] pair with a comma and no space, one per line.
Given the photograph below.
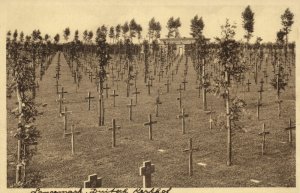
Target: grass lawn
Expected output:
[119,166]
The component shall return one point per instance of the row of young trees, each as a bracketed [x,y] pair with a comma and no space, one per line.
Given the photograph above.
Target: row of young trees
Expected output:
[33,52]
[24,56]
[233,57]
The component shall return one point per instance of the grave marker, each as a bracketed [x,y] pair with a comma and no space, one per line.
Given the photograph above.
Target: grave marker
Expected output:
[130,105]
[72,134]
[150,123]
[191,150]
[146,170]
[93,182]
[106,89]
[168,84]
[113,129]
[182,116]
[263,134]
[290,128]
[114,95]
[149,85]
[136,95]
[89,97]
[60,100]
[65,114]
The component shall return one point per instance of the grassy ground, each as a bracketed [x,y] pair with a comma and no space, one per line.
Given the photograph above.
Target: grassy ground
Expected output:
[119,166]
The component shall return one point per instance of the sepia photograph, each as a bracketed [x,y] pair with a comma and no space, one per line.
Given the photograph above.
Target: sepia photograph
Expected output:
[148,96]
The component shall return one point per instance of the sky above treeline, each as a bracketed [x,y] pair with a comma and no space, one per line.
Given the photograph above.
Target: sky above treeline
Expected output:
[54,16]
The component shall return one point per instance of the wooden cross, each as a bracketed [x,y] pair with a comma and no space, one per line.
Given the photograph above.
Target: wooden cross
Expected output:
[149,85]
[199,88]
[117,80]
[62,92]
[65,114]
[182,116]
[146,170]
[191,150]
[279,107]
[91,75]
[89,97]
[151,79]
[57,75]
[184,82]
[168,84]
[72,134]
[260,93]
[106,89]
[60,100]
[93,182]
[113,129]
[180,100]
[258,105]
[150,123]
[157,103]
[210,117]
[130,105]
[136,94]
[263,133]
[261,84]
[180,89]
[114,95]
[248,85]
[290,128]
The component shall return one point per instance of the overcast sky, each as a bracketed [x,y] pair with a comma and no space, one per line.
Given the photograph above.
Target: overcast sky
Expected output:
[54,16]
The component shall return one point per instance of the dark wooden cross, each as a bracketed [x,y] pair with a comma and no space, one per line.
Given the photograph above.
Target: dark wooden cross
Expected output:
[93,182]
[180,89]
[184,82]
[151,80]
[91,75]
[113,129]
[168,85]
[157,103]
[130,105]
[263,134]
[279,107]
[117,80]
[114,95]
[89,97]
[57,74]
[65,115]
[261,84]
[180,100]
[260,93]
[150,123]
[258,105]
[136,95]
[62,92]
[60,100]
[106,89]
[149,87]
[191,150]
[146,170]
[289,129]
[199,88]
[210,112]
[57,85]
[248,85]
[72,134]
[182,116]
